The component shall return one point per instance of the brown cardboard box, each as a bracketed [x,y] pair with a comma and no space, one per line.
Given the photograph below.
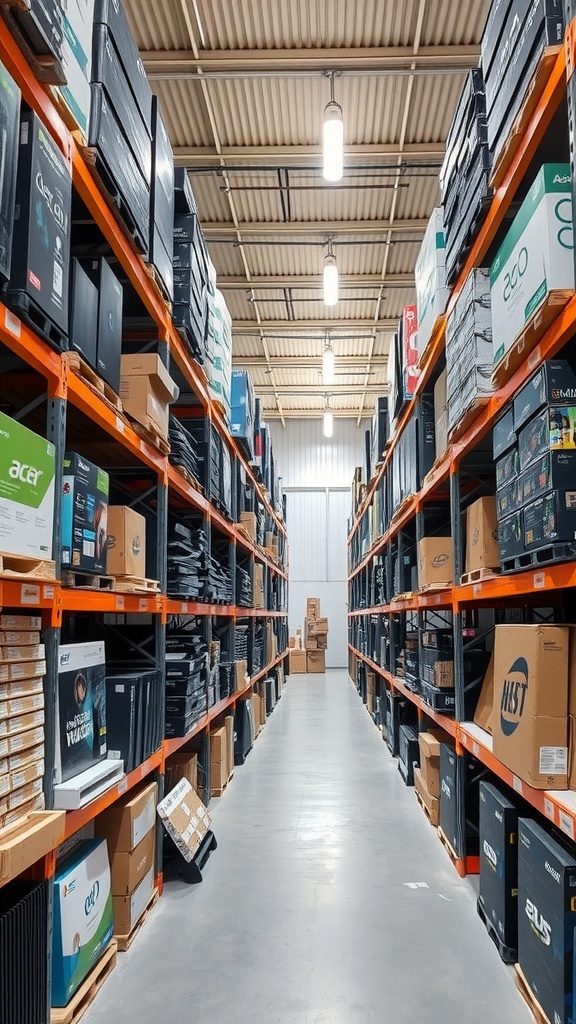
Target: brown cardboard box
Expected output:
[430,762]
[435,561]
[128,869]
[129,909]
[482,551]
[483,716]
[185,818]
[242,677]
[35,652]
[311,643]
[297,662]
[315,661]
[432,803]
[258,586]
[21,723]
[24,740]
[126,542]
[444,675]
[17,622]
[312,607]
[271,643]
[441,414]
[256,712]
[316,626]
[530,722]
[221,755]
[249,524]
[322,641]
[126,823]
[371,692]
[181,766]
[147,390]
[229,726]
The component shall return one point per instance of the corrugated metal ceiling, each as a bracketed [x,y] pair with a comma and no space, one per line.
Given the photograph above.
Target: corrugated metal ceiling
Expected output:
[257,121]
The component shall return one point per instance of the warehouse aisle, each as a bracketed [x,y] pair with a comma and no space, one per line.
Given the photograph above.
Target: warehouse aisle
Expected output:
[306,914]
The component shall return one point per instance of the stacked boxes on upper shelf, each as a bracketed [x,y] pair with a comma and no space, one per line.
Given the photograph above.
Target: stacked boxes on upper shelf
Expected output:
[161,248]
[315,636]
[191,300]
[431,290]
[469,351]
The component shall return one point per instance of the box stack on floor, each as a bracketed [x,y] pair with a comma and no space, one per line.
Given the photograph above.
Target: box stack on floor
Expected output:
[310,655]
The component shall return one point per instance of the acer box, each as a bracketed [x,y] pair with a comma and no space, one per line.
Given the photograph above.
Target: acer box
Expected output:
[80,709]
[27,469]
[482,551]
[546,920]
[498,895]
[530,720]
[435,561]
[84,515]
[126,542]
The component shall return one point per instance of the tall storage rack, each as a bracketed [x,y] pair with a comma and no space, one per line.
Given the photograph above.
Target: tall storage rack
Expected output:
[154,485]
[446,488]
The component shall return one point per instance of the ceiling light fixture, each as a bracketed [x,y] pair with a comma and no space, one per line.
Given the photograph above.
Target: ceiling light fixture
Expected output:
[330,277]
[328,419]
[333,136]
[328,364]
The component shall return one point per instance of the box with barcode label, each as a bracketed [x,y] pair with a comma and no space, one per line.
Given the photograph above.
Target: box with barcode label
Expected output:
[84,515]
[185,818]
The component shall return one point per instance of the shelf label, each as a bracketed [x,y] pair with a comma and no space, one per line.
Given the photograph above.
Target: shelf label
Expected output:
[184,607]
[539,581]
[534,358]
[143,446]
[566,823]
[476,749]
[477,589]
[48,593]
[143,605]
[12,323]
[517,784]
[119,425]
[122,786]
[29,594]
[548,808]
[120,603]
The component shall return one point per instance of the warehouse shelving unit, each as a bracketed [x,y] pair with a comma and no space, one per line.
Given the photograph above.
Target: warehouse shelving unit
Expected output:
[537,586]
[66,393]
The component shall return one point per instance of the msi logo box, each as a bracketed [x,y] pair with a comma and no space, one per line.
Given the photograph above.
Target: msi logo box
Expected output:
[499,868]
[530,722]
[546,920]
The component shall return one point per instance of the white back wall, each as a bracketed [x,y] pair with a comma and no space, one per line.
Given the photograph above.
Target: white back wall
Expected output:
[317,477]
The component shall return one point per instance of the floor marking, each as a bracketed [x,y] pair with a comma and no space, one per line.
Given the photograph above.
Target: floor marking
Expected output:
[416,885]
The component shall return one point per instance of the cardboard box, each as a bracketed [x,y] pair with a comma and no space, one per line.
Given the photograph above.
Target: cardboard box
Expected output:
[553,384]
[129,909]
[34,652]
[21,723]
[22,741]
[498,822]
[85,490]
[249,524]
[221,755]
[431,802]
[182,766]
[312,607]
[430,274]
[534,258]
[311,643]
[315,626]
[258,586]
[435,561]
[80,709]
[128,869]
[126,542]
[441,413]
[27,469]
[297,662]
[18,622]
[22,758]
[242,677]
[83,920]
[127,821]
[429,745]
[315,661]
[530,722]
[185,818]
[483,715]
[21,706]
[482,551]
[147,391]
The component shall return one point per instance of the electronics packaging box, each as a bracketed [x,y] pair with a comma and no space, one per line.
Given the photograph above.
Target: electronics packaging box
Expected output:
[185,818]
[147,390]
[27,470]
[546,920]
[83,321]
[111,13]
[536,256]
[84,515]
[410,350]
[129,909]
[431,291]
[77,61]
[449,795]
[503,433]
[9,122]
[126,542]
[128,821]
[554,471]
[530,721]
[83,922]
[41,243]
[550,518]
[499,863]
[435,561]
[81,709]
[553,384]
[110,307]
[482,535]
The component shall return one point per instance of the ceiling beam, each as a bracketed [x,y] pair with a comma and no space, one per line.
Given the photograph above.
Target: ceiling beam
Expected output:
[309,390]
[200,156]
[314,281]
[303,229]
[289,362]
[376,60]
[317,414]
[255,329]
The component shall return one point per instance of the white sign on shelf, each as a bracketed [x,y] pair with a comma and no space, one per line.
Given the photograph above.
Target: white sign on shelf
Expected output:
[548,808]
[12,323]
[517,784]
[29,594]
[539,581]
[566,823]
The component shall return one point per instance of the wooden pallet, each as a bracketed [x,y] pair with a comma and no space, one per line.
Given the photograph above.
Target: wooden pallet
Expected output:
[447,845]
[136,585]
[109,192]
[508,955]
[125,941]
[479,575]
[26,568]
[190,480]
[529,997]
[520,123]
[159,285]
[469,416]
[91,379]
[152,437]
[403,597]
[46,68]
[425,809]
[528,339]
[87,581]
[219,792]
[431,587]
[88,990]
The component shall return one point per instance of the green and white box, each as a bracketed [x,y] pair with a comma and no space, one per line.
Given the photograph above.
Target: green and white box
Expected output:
[535,258]
[430,273]
[77,60]
[27,469]
[83,917]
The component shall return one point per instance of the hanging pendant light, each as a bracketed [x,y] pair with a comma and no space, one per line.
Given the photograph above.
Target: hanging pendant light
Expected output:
[328,365]
[333,137]
[328,420]
[330,278]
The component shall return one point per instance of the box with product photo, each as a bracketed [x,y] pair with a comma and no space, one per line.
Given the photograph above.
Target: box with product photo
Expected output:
[77,62]
[535,258]
[552,429]
[507,468]
[83,922]
[511,536]
[530,720]
[435,561]
[126,542]
[508,498]
[550,518]
[85,490]
[482,550]
[554,471]
[553,384]
[27,472]
[498,894]
[80,710]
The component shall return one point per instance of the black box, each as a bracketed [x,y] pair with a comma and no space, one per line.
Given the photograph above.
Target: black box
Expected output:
[507,467]
[108,71]
[511,535]
[449,796]
[111,13]
[122,714]
[408,752]
[492,31]
[41,243]
[243,730]
[550,518]
[162,198]
[379,430]
[503,433]
[552,429]
[426,430]
[553,384]
[83,329]
[184,201]
[80,709]
[398,711]
[499,867]
[85,491]
[554,471]
[9,123]
[110,299]
[508,498]
[546,920]
[438,698]
[42,26]
[161,258]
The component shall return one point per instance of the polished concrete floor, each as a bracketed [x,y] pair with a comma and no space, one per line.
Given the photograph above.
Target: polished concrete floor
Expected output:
[308,912]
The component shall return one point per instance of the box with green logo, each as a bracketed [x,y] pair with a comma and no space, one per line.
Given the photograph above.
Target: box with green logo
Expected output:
[84,515]
[535,258]
[27,470]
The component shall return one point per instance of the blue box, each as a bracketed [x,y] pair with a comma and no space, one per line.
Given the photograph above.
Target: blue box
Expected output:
[242,411]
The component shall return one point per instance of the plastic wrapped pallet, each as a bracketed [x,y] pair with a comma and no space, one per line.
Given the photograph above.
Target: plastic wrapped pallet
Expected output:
[469,348]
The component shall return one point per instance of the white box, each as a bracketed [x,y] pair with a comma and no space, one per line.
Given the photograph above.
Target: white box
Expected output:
[536,257]
[85,787]
[431,292]
[27,467]
[77,60]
